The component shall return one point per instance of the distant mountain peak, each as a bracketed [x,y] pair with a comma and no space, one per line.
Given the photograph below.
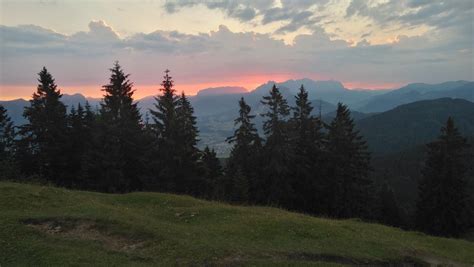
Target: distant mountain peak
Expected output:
[224,90]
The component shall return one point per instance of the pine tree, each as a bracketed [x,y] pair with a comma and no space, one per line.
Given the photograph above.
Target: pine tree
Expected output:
[44,137]
[347,184]
[164,115]
[442,207]
[277,150]
[188,153]
[306,141]
[244,156]
[7,141]
[165,163]
[118,159]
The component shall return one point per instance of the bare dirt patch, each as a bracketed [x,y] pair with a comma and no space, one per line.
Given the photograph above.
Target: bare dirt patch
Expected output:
[85,230]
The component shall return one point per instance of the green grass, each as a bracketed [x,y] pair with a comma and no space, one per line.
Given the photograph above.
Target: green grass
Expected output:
[165,229]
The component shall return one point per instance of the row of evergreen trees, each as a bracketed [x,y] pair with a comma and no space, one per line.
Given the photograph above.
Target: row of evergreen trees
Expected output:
[301,163]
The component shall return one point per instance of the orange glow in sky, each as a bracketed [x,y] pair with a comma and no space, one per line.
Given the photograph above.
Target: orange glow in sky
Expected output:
[249,82]
[142,90]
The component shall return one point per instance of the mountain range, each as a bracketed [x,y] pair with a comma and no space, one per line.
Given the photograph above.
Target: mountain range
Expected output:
[216,108]
[415,124]
[416,92]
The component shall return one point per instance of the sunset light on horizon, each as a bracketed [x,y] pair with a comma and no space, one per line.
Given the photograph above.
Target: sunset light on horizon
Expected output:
[141,91]
[362,44]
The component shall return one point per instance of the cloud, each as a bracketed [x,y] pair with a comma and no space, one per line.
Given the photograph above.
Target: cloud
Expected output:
[296,13]
[223,55]
[241,10]
[438,14]
[99,31]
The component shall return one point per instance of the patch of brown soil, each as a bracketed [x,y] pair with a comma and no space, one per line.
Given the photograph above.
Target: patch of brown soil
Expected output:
[85,230]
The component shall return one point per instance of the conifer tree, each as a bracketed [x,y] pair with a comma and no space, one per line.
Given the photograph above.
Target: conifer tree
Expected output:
[188,130]
[44,137]
[7,139]
[347,182]
[244,156]
[276,155]
[165,163]
[188,152]
[118,163]
[442,207]
[306,141]
[164,115]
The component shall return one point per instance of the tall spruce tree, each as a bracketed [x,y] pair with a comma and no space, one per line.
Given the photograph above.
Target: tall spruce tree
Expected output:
[442,207]
[306,141]
[277,152]
[7,141]
[165,163]
[243,164]
[44,137]
[347,181]
[187,147]
[118,161]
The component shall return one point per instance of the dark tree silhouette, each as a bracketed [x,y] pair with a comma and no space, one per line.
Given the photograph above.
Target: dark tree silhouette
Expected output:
[117,163]
[442,207]
[347,184]
[7,141]
[276,154]
[81,123]
[176,154]
[44,138]
[166,130]
[242,166]
[306,141]
[187,147]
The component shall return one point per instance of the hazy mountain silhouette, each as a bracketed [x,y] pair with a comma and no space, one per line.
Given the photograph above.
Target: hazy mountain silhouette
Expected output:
[416,92]
[15,107]
[330,91]
[225,90]
[15,110]
[415,124]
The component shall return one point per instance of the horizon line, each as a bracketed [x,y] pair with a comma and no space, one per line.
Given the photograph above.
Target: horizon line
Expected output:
[155,87]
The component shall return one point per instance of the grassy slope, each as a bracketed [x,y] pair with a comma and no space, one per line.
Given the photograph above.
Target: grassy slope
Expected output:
[182,230]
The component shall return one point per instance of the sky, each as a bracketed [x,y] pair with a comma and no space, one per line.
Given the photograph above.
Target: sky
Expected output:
[368,44]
